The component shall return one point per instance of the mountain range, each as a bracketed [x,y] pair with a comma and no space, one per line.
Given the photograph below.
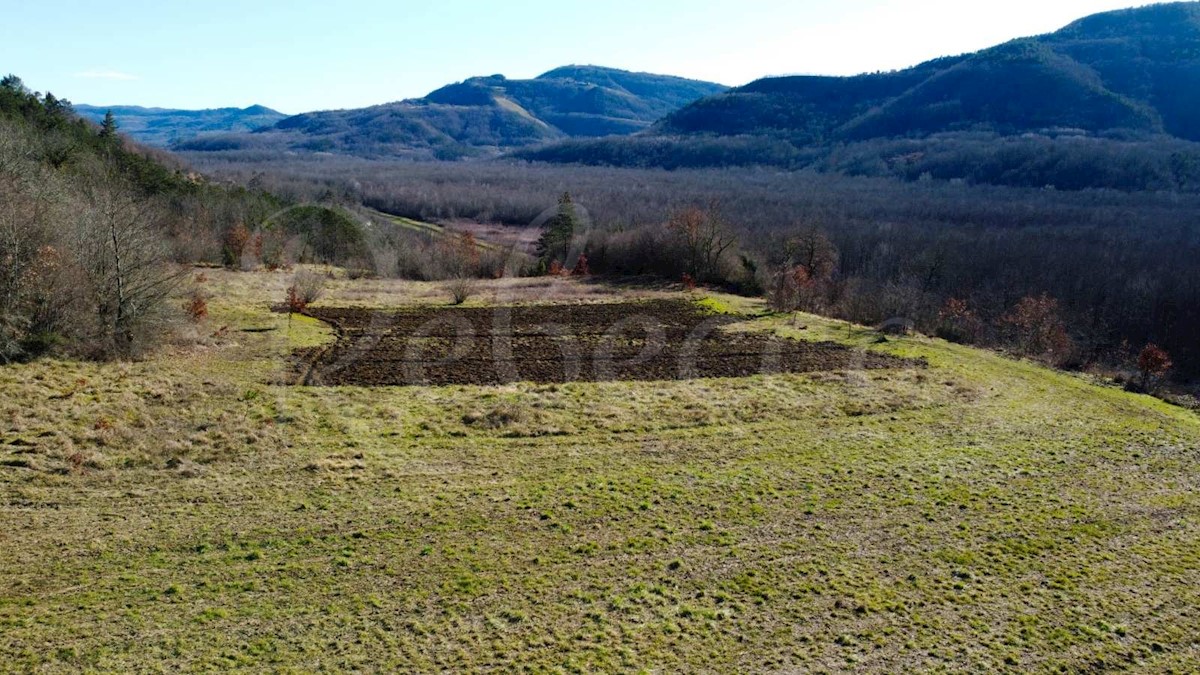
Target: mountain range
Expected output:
[163,126]
[1117,88]
[1128,77]
[1133,70]
[479,117]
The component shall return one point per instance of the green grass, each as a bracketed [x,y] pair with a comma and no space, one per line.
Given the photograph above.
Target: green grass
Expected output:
[981,513]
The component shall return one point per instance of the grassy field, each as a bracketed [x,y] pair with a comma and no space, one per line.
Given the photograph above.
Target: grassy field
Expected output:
[432,229]
[191,513]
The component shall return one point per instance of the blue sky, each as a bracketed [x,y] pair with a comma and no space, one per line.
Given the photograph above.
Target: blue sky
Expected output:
[301,55]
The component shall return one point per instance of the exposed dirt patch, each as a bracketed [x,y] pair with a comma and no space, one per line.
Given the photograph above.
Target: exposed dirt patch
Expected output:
[654,340]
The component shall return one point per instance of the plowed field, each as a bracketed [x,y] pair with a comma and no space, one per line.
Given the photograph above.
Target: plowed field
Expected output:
[657,340]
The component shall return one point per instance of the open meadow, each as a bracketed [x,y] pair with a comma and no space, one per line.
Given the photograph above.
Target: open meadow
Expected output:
[904,504]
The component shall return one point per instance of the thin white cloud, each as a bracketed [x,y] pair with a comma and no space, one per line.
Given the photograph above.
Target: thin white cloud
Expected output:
[105,74]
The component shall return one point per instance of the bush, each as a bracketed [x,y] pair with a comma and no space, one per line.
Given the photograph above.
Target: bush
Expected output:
[581,269]
[461,290]
[805,278]
[196,306]
[237,241]
[1038,330]
[307,287]
[958,323]
[1154,363]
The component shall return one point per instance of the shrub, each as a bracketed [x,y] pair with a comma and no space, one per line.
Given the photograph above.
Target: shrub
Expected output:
[237,239]
[1038,329]
[455,257]
[784,295]
[461,290]
[958,323]
[796,288]
[581,267]
[307,287]
[358,271]
[1154,363]
[196,306]
[295,303]
[271,249]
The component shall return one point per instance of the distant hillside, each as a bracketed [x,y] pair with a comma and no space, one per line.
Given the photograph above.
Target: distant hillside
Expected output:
[1130,70]
[481,116]
[583,100]
[1125,75]
[161,126]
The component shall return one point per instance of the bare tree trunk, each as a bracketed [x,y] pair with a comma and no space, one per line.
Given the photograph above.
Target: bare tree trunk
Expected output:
[119,323]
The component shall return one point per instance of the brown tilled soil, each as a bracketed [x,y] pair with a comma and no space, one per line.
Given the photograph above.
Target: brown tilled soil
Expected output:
[653,340]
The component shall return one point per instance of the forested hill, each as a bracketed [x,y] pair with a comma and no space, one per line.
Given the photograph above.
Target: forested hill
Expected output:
[89,226]
[583,100]
[54,137]
[481,115]
[163,126]
[1135,70]
[1106,88]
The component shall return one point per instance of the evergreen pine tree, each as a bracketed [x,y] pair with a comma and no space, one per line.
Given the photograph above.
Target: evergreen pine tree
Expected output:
[108,130]
[57,108]
[13,83]
[558,233]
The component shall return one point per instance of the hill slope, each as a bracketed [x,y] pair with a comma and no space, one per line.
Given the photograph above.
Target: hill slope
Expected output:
[162,126]
[1130,70]
[980,513]
[90,225]
[584,100]
[481,115]
[1118,76]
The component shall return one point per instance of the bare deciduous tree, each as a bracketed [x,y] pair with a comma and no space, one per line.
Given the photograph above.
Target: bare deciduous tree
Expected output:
[125,257]
[805,279]
[704,236]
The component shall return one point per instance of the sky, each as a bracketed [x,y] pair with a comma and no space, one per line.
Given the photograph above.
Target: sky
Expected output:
[302,55]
